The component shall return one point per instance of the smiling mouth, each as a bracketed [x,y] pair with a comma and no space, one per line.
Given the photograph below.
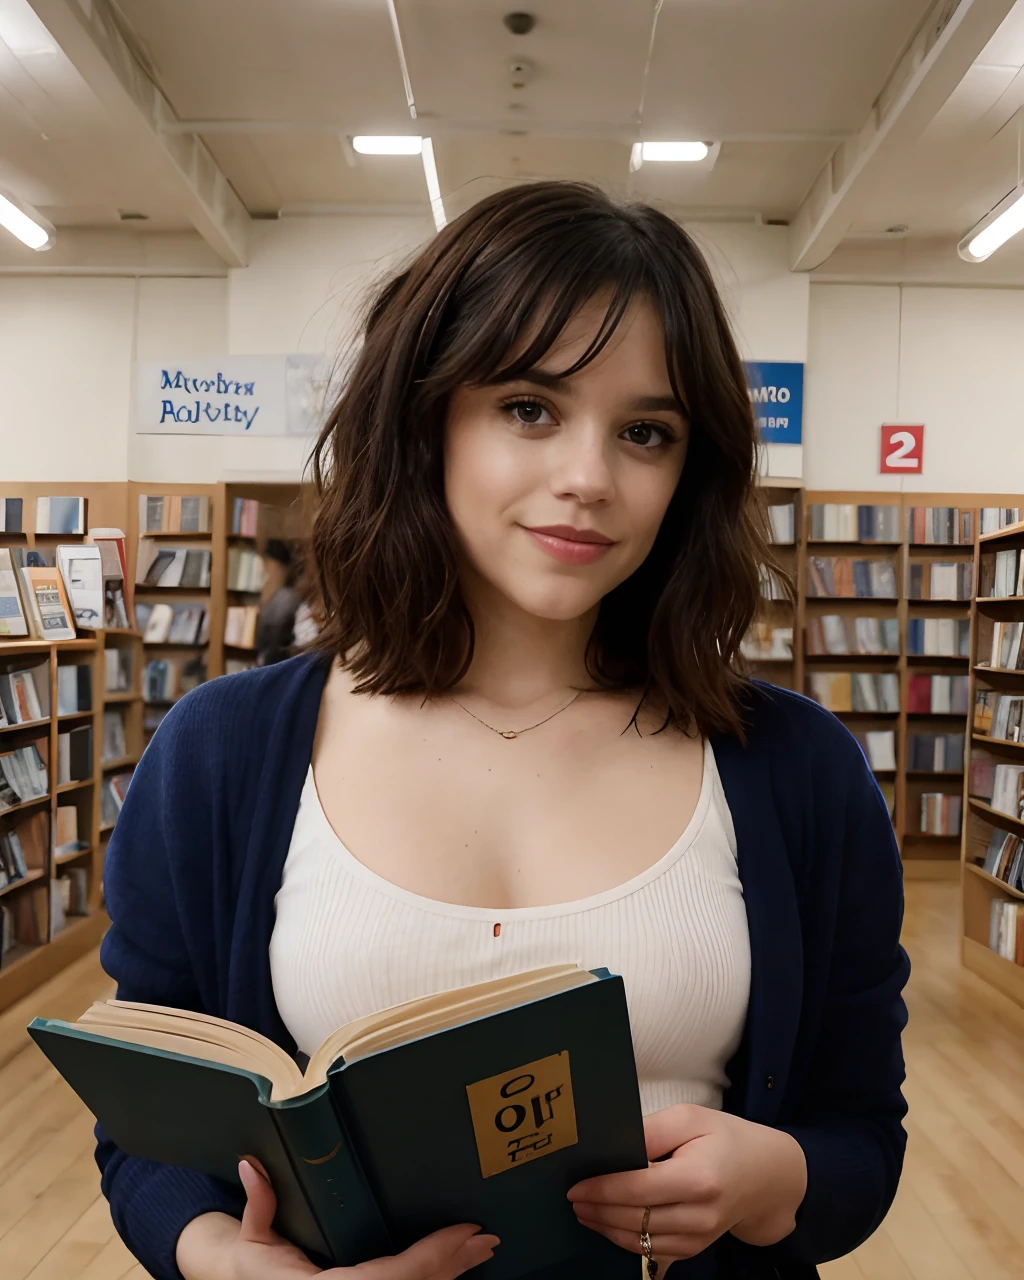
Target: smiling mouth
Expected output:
[570,545]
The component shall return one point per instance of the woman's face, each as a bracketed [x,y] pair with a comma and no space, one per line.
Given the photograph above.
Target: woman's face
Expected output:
[557,487]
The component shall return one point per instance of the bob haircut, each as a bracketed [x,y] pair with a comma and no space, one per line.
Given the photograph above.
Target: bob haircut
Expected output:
[481,304]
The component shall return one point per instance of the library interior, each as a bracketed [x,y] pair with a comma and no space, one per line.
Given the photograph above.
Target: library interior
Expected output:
[220,431]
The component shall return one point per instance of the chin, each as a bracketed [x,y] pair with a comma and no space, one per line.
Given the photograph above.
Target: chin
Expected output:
[556,601]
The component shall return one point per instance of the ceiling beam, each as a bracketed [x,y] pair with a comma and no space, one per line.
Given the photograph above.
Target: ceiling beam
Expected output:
[946,45]
[92,38]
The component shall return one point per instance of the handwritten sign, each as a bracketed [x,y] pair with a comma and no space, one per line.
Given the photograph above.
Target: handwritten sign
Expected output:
[230,396]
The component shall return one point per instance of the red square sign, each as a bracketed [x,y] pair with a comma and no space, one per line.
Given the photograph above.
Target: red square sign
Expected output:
[902,450]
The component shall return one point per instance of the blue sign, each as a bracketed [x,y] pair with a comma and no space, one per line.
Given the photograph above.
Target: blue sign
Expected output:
[776,389]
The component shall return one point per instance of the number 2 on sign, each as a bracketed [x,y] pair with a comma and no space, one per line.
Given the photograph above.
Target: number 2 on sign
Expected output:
[902,449]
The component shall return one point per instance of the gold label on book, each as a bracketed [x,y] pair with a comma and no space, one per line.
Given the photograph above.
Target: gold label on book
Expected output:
[523,1114]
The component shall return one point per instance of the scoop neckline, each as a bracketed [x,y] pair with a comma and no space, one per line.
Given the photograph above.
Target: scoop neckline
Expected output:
[465,911]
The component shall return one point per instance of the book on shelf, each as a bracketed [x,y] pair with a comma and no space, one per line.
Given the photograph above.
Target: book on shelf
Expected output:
[853,522]
[1004,858]
[13,623]
[1002,576]
[174,513]
[74,755]
[879,747]
[25,694]
[166,679]
[999,715]
[1007,649]
[11,515]
[831,633]
[1006,930]
[773,586]
[482,1104]
[941,581]
[995,518]
[24,848]
[856,690]
[115,746]
[240,625]
[940,526]
[74,688]
[939,637]
[844,578]
[117,669]
[71,890]
[162,566]
[23,774]
[82,572]
[60,515]
[117,603]
[246,571]
[940,814]
[937,695]
[112,795]
[245,517]
[65,832]
[1008,790]
[47,610]
[7,938]
[782,518]
[766,642]
[936,752]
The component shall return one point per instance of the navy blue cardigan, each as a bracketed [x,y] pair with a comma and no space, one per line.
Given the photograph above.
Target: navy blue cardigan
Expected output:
[198,854]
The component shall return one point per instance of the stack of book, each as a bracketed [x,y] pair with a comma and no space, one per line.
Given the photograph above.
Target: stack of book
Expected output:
[74,688]
[999,715]
[1006,930]
[117,669]
[115,788]
[941,581]
[173,513]
[939,637]
[245,570]
[879,746]
[25,695]
[937,695]
[840,576]
[74,755]
[856,690]
[940,814]
[1002,575]
[240,626]
[995,518]
[832,633]
[1005,859]
[23,775]
[936,752]
[765,642]
[245,517]
[1007,651]
[782,516]
[943,526]
[173,624]
[165,680]
[115,746]
[848,522]
[161,566]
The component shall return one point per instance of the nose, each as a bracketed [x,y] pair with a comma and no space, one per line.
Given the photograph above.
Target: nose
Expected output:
[581,467]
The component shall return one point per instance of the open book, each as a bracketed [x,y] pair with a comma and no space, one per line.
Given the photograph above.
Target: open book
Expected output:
[483,1104]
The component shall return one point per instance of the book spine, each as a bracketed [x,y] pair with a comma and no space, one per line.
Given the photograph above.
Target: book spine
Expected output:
[332,1181]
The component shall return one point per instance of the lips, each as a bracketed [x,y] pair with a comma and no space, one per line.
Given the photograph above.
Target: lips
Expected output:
[570,545]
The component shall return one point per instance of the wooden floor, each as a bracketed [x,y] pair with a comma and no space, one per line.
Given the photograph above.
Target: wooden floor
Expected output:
[959,1214]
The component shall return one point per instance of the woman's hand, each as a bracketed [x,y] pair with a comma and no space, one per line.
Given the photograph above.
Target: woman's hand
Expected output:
[724,1174]
[217,1247]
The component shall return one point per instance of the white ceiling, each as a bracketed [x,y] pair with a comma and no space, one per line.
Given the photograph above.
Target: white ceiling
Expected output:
[275,88]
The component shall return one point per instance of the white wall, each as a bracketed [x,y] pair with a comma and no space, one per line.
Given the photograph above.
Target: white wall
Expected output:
[945,357]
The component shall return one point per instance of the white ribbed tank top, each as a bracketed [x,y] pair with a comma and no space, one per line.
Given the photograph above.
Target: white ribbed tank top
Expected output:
[347,942]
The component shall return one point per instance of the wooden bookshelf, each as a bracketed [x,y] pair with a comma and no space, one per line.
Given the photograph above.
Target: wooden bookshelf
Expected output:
[31,963]
[979,889]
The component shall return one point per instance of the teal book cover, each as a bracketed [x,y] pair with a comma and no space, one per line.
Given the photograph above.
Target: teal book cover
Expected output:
[490,1121]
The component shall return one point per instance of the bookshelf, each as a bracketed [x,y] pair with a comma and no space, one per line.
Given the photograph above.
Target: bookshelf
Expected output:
[764,655]
[985,751]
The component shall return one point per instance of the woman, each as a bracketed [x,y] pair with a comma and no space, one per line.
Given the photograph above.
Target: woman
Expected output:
[537,551]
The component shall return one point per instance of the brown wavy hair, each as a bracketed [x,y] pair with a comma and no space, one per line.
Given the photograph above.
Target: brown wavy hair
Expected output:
[483,303]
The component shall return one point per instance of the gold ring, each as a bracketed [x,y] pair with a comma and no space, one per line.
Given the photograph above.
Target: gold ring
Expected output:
[645,1244]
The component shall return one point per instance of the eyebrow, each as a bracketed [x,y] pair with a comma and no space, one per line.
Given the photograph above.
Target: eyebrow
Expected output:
[562,386]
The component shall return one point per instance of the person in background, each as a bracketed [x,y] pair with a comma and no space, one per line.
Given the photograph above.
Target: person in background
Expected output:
[279,602]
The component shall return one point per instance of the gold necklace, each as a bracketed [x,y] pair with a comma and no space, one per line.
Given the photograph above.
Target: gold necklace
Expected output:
[514,733]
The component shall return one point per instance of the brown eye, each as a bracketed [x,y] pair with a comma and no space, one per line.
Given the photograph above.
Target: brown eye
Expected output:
[646,434]
[529,413]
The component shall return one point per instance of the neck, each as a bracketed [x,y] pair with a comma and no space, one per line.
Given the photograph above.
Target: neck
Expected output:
[520,660]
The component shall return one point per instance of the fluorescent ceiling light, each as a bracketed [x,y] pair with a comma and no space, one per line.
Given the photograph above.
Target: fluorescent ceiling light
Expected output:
[993,231]
[388,145]
[22,221]
[673,151]
[433,186]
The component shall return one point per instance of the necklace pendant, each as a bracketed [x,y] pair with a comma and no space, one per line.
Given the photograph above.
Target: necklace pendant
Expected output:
[508,733]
